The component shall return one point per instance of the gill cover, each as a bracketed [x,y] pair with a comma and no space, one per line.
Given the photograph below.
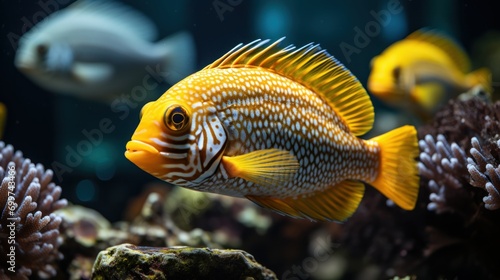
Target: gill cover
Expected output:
[211,143]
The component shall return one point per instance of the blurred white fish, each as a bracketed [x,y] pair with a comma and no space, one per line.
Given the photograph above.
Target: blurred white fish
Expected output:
[97,50]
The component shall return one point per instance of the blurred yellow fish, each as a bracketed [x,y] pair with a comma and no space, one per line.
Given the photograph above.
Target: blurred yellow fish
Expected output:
[486,51]
[422,72]
[3,118]
[279,127]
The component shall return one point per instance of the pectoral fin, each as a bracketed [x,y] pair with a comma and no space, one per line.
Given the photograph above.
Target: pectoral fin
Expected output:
[268,168]
[334,204]
[92,72]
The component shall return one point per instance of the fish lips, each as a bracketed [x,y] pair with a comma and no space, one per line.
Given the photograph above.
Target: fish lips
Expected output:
[136,146]
[145,156]
[25,68]
[384,92]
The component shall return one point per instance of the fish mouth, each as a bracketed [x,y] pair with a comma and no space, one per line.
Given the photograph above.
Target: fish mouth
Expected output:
[380,89]
[145,156]
[24,63]
[137,148]
[25,68]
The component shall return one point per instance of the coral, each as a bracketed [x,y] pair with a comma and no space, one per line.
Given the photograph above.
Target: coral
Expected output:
[473,159]
[28,199]
[127,261]
[444,166]
[461,120]
[462,180]
[451,169]
[485,175]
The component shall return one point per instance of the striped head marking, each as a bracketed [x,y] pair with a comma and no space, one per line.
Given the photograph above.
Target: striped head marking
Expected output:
[179,142]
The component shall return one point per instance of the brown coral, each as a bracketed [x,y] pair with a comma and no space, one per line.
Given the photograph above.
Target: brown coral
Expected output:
[28,199]
[473,159]
[444,166]
[463,180]
[485,175]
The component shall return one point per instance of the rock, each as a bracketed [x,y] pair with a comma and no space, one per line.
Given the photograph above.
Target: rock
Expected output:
[128,261]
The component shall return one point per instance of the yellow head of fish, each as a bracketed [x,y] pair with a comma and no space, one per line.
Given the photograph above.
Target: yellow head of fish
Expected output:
[177,140]
[423,70]
[384,79]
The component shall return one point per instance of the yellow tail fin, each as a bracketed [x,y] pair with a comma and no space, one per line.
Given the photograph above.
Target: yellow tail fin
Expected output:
[398,174]
[481,76]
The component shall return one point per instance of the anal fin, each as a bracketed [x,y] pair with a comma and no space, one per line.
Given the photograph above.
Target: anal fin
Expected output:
[334,204]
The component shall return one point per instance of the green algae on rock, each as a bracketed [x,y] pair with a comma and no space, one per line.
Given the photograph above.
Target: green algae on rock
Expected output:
[128,261]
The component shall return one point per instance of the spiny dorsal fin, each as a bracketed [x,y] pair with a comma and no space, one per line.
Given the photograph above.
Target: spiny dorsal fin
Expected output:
[314,68]
[448,45]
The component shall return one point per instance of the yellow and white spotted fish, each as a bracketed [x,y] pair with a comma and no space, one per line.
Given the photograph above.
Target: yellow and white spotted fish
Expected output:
[279,127]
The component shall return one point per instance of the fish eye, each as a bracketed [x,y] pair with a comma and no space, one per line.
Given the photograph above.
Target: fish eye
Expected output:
[396,72]
[176,118]
[42,50]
